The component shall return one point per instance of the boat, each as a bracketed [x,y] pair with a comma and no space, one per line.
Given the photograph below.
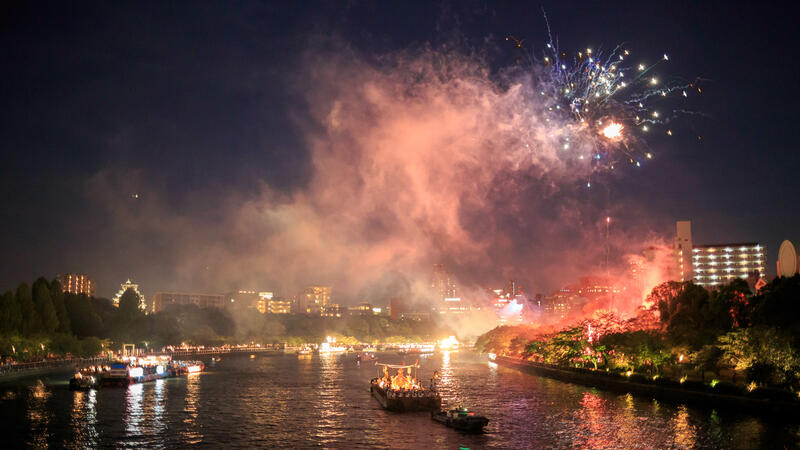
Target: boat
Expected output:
[461,419]
[365,357]
[140,370]
[304,351]
[416,350]
[124,373]
[404,392]
[329,346]
[84,381]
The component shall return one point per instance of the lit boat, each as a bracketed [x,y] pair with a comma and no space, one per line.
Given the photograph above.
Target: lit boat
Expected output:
[416,350]
[83,381]
[303,351]
[140,370]
[403,392]
[365,357]
[329,346]
[123,374]
[461,419]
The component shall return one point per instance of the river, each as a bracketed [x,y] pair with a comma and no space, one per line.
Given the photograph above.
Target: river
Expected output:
[324,401]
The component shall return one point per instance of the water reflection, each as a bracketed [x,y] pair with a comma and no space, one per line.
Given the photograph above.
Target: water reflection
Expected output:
[83,419]
[330,399]
[38,414]
[684,432]
[191,433]
[592,420]
[159,406]
[133,412]
[283,402]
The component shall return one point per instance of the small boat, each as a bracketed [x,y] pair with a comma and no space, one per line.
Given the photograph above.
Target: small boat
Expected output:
[461,419]
[303,351]
[83,382]
[416,350]
[364,357]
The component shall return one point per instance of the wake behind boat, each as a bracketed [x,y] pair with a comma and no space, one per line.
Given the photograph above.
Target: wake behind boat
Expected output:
[404,392]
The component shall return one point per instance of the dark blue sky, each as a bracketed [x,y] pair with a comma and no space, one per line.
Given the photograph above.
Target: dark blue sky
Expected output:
[202,98]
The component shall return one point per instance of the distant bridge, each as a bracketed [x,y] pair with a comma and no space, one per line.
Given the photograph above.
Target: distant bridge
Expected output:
[179,353]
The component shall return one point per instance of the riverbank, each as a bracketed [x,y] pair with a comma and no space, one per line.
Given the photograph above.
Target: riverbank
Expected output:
[696,394]
[53,367]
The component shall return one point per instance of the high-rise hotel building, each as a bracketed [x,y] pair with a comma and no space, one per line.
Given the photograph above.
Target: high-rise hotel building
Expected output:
[75,283]
[720,264]
[713,265]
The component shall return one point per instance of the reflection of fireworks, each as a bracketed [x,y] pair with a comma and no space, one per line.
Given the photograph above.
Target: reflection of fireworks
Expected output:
[600,106]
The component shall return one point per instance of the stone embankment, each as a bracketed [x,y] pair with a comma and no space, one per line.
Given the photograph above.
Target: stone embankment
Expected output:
[764,401]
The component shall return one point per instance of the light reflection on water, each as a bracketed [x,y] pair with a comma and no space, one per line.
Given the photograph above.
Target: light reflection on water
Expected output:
[324,401]
[191,431]
[84,419]
[330,411]
[38,414]
[134,413]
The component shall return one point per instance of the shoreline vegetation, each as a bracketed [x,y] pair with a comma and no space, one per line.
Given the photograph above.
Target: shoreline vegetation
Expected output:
[764,401]
[39,323]
[689,342]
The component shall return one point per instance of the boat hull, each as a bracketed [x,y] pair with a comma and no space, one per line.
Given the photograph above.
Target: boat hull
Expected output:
[473,424]
[406,401]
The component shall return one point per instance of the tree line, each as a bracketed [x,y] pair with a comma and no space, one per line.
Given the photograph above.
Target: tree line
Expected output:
[728,332]
[41,320]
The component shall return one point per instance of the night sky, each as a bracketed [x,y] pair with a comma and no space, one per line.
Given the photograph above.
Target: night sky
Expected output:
[199,103]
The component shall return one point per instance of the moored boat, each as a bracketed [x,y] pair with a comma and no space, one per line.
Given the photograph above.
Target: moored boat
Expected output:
[83,381]
[365,357]
[461,419]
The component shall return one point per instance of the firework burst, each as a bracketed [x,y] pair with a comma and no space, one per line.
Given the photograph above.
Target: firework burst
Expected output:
[603,107]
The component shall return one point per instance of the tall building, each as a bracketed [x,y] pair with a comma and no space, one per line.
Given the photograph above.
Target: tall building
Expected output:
[716,264]
[397,307]
[683,250]
[263,301]
[162,300]
[128,285]
[76,283]
[722,263]
[443,284]
[280,305]
[243,299]
[314,299]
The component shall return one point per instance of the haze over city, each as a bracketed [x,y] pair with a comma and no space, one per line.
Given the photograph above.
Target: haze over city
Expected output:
[215,148]
[359,224]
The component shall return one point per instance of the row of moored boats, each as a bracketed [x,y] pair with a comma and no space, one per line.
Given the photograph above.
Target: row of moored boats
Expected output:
[130,370]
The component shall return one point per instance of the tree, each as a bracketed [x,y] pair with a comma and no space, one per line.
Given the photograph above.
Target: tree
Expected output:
[661,296]
[31,324]
[82,316]
[10,314]
[57,295]
[129,307]
[44,305]
[760,350]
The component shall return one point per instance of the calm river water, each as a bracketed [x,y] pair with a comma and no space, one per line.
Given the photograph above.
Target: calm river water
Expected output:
[324,401]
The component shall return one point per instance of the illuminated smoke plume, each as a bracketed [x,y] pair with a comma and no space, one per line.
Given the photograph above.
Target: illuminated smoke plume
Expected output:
[417,158]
